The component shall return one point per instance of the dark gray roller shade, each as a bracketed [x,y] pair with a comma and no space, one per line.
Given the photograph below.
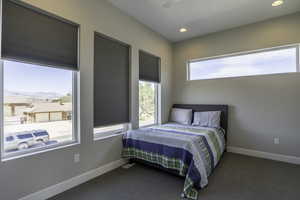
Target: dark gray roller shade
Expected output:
[111,81]
[32,35]
[149,67]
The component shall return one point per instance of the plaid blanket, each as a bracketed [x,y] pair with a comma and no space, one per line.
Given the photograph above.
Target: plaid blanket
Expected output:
[193,152]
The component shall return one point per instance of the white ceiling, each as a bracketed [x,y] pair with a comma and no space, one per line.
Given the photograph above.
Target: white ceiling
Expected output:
[201,17]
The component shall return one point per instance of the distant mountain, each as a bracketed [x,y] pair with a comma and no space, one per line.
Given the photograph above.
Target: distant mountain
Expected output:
[34,95]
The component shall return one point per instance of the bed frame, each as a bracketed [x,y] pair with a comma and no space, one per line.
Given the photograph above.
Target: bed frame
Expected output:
[206,107]
[195,108]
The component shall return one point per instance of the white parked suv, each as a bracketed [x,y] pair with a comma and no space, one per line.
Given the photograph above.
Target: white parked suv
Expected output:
[25,140]
[41,136]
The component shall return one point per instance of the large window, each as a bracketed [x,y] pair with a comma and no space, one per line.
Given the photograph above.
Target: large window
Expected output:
[148,108]
[272,61]
[39,107]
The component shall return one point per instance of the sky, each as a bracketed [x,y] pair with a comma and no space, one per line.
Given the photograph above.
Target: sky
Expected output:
[20,77]
[271,62]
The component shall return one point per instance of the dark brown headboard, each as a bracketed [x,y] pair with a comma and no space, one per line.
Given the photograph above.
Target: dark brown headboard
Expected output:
[203,107]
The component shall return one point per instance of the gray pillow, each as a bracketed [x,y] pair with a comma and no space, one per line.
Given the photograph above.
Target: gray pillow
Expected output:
[207,119]
[182,116]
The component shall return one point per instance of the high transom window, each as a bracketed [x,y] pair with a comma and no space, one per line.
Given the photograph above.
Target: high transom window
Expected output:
[271,61]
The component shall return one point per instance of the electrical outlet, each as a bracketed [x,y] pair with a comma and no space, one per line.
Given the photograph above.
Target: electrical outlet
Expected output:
[276,140]
[76,158]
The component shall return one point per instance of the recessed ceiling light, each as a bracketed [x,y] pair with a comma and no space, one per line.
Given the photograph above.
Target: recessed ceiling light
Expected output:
[182,30]
[277,3]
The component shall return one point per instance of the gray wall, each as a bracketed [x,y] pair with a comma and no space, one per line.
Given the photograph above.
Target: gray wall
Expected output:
[23,176]
[261,107]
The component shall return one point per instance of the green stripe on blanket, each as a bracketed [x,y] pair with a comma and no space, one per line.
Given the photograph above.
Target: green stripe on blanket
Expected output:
[170,163]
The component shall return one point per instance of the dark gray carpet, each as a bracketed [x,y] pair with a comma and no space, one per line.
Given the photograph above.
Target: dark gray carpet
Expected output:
[236,178]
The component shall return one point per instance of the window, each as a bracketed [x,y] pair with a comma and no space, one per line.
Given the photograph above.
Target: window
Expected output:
[272,61]
[39,107]
[111,73]
[9,138]
[149,76]
[148,108]
[24,136]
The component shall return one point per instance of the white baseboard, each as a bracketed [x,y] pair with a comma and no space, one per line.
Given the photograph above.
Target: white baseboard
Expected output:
[82,178]
[75,181]
[265,155]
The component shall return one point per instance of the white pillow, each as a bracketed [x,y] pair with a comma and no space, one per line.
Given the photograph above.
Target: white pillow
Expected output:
[207,119]
[182,116]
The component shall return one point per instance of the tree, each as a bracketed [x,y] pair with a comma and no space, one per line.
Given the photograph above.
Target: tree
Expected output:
[66,99]
[147,101]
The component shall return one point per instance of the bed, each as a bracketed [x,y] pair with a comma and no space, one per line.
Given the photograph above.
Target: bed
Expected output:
[189,151]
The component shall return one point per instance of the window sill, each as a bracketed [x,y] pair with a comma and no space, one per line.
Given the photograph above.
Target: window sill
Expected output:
[104,136]
[32,152]
[146,126]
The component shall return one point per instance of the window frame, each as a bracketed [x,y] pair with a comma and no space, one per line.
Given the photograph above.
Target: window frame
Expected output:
[296,46]
[107,134]
[156,110]
[75,120]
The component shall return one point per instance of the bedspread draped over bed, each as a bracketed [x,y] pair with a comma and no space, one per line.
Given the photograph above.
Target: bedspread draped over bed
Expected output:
[191,151]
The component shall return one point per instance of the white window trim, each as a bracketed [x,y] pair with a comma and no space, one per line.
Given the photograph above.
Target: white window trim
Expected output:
[297,46]
[27,153]
[34,151]
[157,107]
[109,134]
[298,57]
